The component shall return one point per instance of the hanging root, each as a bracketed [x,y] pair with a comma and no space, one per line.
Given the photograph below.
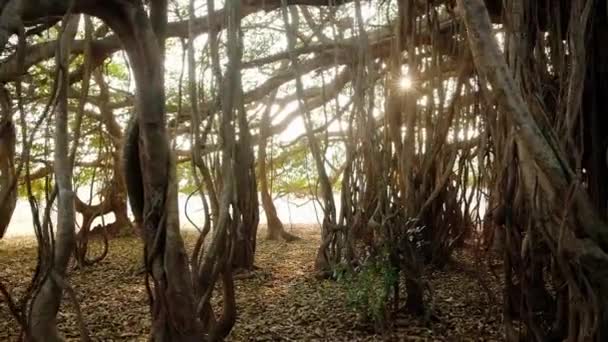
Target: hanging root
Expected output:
[133,173]
[8,190]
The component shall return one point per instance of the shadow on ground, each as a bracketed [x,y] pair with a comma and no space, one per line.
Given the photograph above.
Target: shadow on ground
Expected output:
[282,301]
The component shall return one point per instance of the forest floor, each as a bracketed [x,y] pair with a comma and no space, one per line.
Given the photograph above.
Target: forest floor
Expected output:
[282,301]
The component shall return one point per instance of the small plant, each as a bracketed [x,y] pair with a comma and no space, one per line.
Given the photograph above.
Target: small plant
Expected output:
[368,289]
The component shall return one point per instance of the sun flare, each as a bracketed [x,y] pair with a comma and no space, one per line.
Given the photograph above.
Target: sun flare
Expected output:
[405,83]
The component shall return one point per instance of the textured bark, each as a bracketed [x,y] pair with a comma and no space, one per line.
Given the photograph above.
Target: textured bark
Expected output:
[8,188]
[547,159]
[173,310]
[45,305]
[595,107]
[546,174]
[246,183]
[247,199]
[133,180]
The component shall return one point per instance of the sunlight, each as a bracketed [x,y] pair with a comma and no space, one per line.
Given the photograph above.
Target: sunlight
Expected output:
[405,83]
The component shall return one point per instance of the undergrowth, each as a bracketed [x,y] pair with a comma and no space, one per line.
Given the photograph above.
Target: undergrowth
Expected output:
[368,289]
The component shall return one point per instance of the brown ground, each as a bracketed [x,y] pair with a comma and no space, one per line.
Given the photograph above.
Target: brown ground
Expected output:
[282,301]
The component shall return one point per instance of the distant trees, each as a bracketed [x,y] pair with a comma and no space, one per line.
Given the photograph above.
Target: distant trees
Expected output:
[273,222]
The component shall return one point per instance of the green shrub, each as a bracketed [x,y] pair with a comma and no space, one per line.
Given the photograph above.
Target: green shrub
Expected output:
[368,289]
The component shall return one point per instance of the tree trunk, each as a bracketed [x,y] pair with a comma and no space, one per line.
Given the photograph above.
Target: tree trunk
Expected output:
[173,305]
[8,185]
[246,233]
[324,259]
[546,174]
[274,225]
[548,160]
[247,191]
[45,305]
[218,259]
[595,107]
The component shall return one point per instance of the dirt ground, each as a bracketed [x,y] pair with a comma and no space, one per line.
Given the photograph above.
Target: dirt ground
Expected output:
[282,301]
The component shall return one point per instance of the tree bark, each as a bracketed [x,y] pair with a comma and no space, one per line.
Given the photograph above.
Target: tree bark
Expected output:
[246,183]
[218,259]
[594,109]
[247,198]
[274,225]
[547,159]
[323,259]
[8,186]
[173,311]
[547,175]
[45,305]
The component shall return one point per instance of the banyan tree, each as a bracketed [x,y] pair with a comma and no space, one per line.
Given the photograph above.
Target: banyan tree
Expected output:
[454,123]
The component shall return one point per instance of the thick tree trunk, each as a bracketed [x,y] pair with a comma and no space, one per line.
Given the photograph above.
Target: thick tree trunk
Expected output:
[8,186]
[247,201]
[595,107]
[247,191]
[173,306]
